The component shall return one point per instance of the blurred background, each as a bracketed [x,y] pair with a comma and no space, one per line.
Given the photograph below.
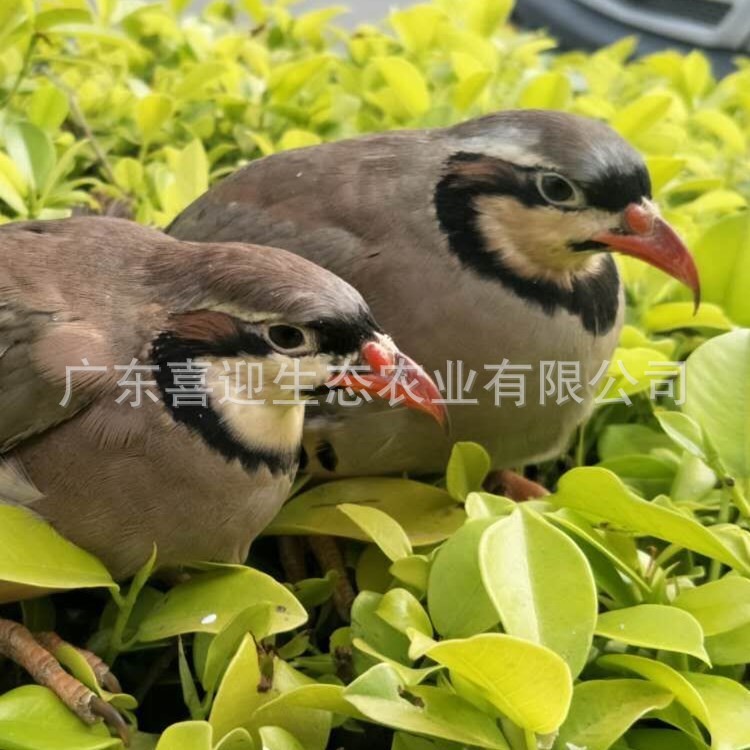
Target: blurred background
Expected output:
[720,27]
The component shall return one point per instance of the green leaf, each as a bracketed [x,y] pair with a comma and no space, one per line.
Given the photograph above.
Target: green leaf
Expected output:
[33,718]
[684,430]
[456,596]
[484,18]
[414,571]
[13,187]
[426,513]
[618,440]
[642,114]
[654,626]
[599,493]
[730,647]
[48,107]
[529,684]
[402,611]
[406,83]
[665,677]
[237,739]
[484,505]
[722,254]
[276,738]
[468,466]
[380,528]
[32,553]
[546,91]
[187,735]
[189,179]
[717,396]
[32,151]
[221,647]
[728,705]
[381,696]
[151,113]
[209,601]
[603,710]
[368,625]
[670,316]
[718,606]
[541,585]
[416,26]
[239,693]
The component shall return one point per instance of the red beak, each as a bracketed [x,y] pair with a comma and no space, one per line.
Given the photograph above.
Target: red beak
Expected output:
[394,377]
[647,236]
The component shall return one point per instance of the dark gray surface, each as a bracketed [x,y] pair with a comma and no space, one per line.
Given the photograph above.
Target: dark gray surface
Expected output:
[577,26]
[360,11]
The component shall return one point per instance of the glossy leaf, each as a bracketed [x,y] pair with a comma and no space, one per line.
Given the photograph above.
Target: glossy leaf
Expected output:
[467,468]
[540,584]
[34,554]
[603,710]
[426,513]
[33,718]
[598,493]
[381,696]
[380,528]
[718,399]
[718,606]
[529,684]
[457,599]
[210,600]
[654,626]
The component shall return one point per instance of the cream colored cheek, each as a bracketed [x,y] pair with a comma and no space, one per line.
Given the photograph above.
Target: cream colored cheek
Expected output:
[242,393]
[535,240]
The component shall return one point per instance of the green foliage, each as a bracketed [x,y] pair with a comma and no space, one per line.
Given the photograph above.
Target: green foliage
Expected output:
[616,612]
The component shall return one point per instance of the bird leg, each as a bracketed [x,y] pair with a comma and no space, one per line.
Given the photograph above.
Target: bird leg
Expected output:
[104,676]
[328,554]
[513,485]
[20,646]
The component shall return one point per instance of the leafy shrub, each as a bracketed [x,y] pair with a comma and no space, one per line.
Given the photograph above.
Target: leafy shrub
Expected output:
[615,613]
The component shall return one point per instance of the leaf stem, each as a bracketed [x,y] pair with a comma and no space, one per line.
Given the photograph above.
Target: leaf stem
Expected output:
[80,120]
[25,66]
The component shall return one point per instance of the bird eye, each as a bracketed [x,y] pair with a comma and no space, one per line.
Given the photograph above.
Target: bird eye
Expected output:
[556,190]
[286,337]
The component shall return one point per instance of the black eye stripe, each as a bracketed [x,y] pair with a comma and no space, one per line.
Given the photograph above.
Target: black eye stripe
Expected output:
[470,174]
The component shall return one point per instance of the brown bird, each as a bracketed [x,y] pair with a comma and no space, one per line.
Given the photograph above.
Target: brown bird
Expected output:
[128,361]
[483,242]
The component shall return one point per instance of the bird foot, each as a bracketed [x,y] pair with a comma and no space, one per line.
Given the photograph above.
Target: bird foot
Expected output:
[328,555]
[34,654]
[513,486]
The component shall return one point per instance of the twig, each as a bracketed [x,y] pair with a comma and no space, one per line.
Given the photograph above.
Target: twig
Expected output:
[80,120]
[35,37]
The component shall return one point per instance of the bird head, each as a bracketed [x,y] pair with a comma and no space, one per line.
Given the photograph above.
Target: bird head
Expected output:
[549,195]
[274,330]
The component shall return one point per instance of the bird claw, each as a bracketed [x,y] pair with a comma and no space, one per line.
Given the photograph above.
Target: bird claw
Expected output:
[35,655]
[111,717]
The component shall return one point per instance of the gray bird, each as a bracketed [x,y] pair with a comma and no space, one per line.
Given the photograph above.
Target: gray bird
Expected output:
[475,244]
[150,439]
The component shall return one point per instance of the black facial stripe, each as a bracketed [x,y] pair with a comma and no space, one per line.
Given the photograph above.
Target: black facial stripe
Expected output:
[588,245]
[615,189]
[478,174]
[593,298]
[612,191]
[341,337]
[204,420]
